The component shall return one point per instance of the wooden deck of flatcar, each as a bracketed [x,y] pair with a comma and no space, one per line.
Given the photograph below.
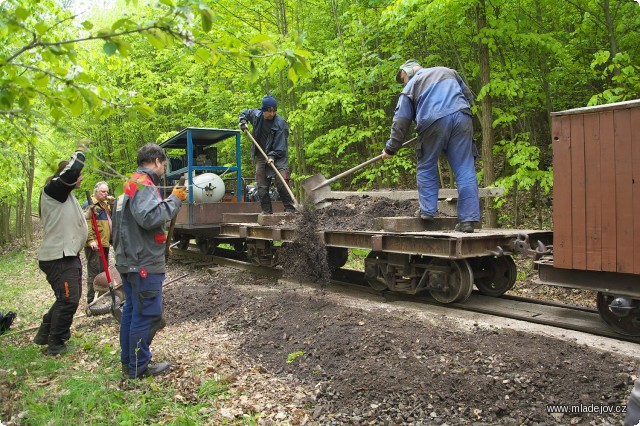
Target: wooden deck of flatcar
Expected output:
[438,243]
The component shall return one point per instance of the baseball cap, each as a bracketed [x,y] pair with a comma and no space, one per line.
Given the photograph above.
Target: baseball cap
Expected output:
[408,68]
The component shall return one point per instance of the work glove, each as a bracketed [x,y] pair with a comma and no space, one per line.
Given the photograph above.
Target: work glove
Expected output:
[180,192]
[243,125]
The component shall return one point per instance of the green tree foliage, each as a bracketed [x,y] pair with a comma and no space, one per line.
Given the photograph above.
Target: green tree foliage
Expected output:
[60,75]
[141,71]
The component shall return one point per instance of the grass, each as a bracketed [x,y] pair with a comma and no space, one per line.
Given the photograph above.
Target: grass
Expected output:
[356,259]
[85,387]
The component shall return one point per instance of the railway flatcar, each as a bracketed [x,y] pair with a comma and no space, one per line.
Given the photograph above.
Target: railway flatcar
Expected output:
[595,243]
[210,161]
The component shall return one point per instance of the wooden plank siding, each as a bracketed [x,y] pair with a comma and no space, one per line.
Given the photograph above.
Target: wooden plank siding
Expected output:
[635,179]
[562,252]
[596,167]
[624,191]
[593,196]
[608,182]
[578,194]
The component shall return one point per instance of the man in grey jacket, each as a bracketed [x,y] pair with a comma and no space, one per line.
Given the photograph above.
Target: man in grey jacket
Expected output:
[139,242]
[271,132]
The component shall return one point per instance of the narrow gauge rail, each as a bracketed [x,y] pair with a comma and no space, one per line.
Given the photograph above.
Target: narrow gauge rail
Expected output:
[595,243]
[562,316]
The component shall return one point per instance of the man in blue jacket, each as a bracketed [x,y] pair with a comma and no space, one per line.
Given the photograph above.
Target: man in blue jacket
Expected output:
[439,101]
[271,132]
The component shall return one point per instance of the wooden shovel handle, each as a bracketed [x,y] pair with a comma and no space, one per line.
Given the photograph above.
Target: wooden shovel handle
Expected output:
[172,225]
[359,166]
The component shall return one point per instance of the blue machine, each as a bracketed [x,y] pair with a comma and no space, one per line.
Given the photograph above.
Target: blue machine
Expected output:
[194,153]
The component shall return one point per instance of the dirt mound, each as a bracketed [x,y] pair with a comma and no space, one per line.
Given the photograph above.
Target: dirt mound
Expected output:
[377,366]
[357,213]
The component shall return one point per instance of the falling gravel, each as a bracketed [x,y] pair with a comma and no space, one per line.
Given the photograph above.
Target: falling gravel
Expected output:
[305,259]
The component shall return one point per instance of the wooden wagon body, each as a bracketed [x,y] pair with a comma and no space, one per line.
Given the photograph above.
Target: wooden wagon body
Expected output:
[596,211]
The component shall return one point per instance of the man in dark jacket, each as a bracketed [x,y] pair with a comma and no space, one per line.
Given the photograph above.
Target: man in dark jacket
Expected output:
[139,242]
[65,232]
[271,132]
[439,101]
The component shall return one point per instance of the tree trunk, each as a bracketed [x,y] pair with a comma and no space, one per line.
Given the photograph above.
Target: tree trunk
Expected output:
[19,217]
[28,228]
[486,115]
[609,23]
[4,223]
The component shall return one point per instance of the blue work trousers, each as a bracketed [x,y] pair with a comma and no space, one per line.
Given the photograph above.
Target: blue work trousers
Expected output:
[142,308]
[453,135]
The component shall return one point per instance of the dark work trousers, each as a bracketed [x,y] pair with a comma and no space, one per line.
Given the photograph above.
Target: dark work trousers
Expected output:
[94,267]
[264,174]
[65,277]
[141,313]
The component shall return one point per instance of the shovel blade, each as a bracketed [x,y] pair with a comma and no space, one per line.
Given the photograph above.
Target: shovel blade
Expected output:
[316,187]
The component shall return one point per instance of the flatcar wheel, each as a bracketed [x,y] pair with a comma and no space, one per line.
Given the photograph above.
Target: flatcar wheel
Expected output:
[184,244]
[498,275]
[458,281]
[374,265]
[204,245]
[628,325]
[337,257]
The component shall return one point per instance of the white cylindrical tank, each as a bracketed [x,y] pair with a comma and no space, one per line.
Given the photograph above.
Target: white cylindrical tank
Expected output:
[208,188]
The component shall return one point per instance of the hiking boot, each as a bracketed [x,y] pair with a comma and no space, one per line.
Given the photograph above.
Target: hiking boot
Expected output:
[419,213]
[154,369]
[60,349]
[291,211]
[464,227]
[42,336]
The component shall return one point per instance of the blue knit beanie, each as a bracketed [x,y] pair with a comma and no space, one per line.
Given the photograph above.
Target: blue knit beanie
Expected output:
[269,102]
